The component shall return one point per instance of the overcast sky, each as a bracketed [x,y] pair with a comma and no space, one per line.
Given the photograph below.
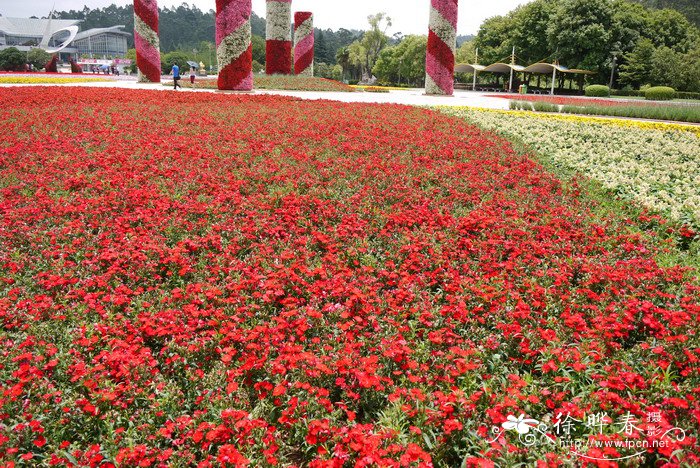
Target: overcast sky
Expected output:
[408,16]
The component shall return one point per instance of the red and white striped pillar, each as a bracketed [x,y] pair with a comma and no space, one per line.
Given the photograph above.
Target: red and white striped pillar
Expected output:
[234,49]
[278,48]
[304,43]
[146,40]
[440,56]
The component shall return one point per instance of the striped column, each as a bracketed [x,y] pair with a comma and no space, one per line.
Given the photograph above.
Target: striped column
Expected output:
[278,48]
[440,56]
[146,40]
[304,43]
[234,50]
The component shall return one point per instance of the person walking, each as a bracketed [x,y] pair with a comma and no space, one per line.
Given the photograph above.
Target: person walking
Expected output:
[193,74]
[176,76]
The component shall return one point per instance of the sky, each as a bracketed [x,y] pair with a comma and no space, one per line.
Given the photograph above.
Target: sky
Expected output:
[408,16]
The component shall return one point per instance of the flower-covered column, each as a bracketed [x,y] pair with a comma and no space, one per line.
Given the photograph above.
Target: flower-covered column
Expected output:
[234,49]
[304,43]
[278,48]
[146,40]
[440,56]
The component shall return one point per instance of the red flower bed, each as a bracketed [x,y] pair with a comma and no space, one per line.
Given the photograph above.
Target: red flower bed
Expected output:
[268,283]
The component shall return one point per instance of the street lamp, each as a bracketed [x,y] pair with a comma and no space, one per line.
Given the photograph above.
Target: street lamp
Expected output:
[612,70]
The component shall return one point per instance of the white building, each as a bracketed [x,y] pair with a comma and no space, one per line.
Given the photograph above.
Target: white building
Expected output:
[63,37]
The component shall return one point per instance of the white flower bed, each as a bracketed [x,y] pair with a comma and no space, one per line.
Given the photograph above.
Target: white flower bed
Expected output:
[658,168]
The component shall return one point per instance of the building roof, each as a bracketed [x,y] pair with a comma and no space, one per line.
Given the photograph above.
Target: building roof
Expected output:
[32,27]
[96,31]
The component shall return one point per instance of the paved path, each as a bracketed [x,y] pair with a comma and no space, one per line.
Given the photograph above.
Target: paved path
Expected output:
[414,97]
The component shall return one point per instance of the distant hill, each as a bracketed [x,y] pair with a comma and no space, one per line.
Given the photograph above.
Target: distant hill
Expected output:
[690,8]
[465,38]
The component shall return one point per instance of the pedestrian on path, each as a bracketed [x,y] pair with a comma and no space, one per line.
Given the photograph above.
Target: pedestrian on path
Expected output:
[176,76]
[193,74]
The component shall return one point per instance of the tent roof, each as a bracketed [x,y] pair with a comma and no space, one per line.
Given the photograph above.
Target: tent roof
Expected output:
[546,68]
[468,67]
[503,68]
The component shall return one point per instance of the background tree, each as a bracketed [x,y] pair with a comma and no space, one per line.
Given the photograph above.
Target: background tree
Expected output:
[495,38]
[175,57]
[671,29]
[342,57]
[529,34]
[258,49]
[11,59]
[581,32]
[403,63]
[636,71]
[374,40]
[38,58]
[667,67]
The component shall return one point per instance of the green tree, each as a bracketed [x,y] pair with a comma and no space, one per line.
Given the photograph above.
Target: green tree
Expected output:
[38,58]
[690,74]
[11,59]
[374,40]
[131,55]
[342,58]
[495,39]
[667,68]
[529,33]
[636,69]
[258,49]
[581,32]
[176,57]
[671,29]
[403,63]
[321,47]
[466,53]
[631,22]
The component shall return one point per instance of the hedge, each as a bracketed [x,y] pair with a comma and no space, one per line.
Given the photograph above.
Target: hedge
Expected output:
[660,93]
[597,91]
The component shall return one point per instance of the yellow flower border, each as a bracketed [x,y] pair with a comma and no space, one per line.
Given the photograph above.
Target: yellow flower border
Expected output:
[47,80]
[620,122]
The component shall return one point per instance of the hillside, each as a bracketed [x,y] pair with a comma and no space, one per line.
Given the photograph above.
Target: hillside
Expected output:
[690,8]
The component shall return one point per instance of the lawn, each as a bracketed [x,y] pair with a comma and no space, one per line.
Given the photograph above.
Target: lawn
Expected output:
[282,82]
[262,282]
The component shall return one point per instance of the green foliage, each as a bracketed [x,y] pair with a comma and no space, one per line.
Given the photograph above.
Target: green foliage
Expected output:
[660,93]
[364,52]
[403,63]
[258,49]
[168,60]
[586,34]
[495,38]
[636,70]
[672,29]
[11,59]
[582,31]
[38,58]
[597,91]
[326,70]
[689,8]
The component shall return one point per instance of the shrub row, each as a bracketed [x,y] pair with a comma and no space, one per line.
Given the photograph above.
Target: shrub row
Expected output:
[640,93]
[673,113]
